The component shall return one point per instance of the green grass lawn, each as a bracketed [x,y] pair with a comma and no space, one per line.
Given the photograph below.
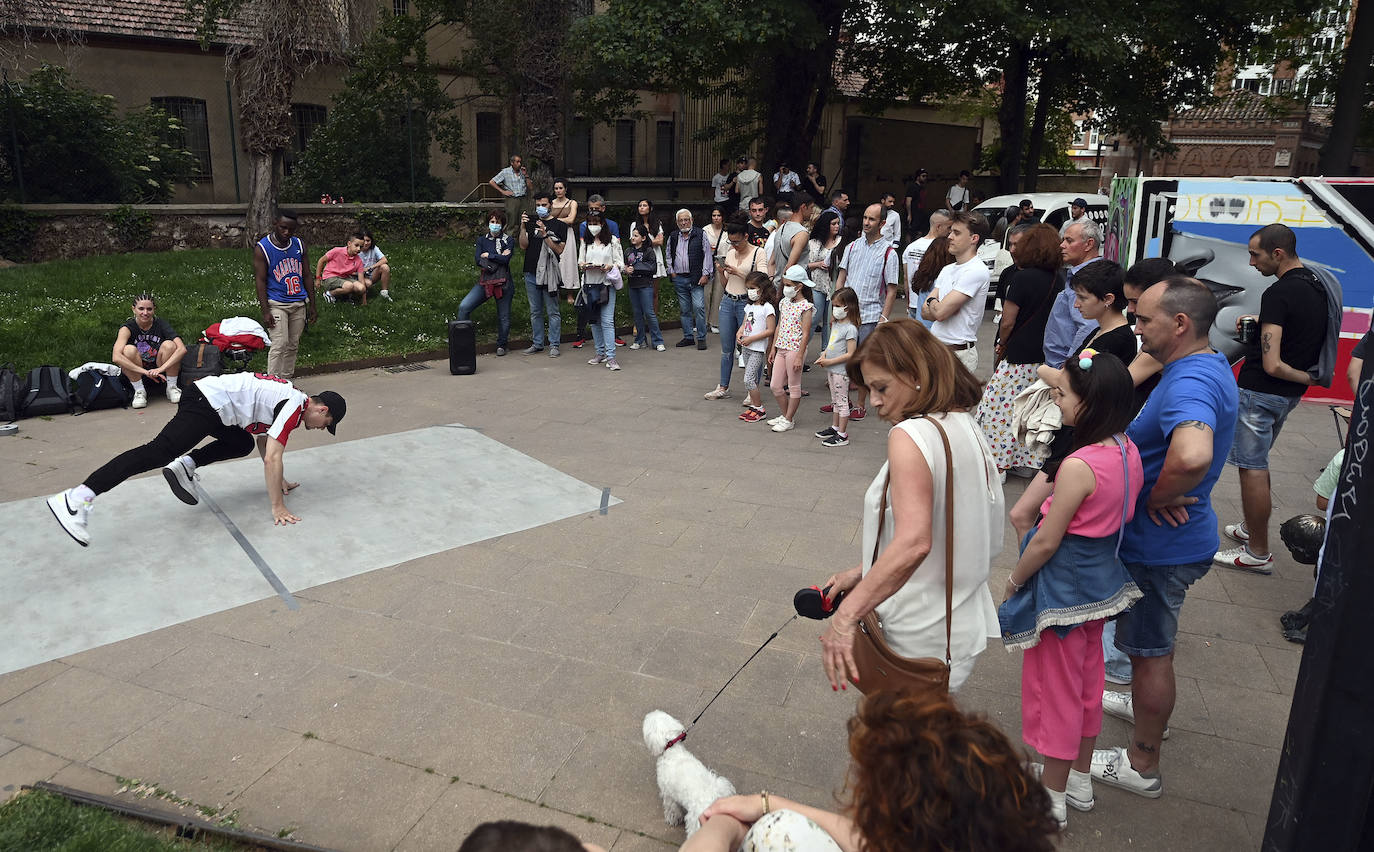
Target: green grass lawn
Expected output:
[38,821]
[67,312]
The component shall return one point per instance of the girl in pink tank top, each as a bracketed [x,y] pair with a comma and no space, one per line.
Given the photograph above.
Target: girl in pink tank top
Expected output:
[1069,579]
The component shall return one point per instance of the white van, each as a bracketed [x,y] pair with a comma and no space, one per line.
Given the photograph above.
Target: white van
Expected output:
[1052,208]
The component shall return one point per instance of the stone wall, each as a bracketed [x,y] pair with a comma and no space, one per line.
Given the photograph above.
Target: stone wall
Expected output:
[82,230]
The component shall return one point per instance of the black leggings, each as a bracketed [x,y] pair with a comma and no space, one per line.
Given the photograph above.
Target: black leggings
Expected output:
[195,421]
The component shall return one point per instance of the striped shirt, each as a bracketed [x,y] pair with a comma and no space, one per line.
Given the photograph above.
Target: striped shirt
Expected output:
[869,267]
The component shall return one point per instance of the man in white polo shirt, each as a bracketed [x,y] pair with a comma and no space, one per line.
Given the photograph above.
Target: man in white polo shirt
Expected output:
[957,300]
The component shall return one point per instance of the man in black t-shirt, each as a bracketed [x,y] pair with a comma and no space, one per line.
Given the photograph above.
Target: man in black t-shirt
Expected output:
[1292,329]
[755,231]
[543,239]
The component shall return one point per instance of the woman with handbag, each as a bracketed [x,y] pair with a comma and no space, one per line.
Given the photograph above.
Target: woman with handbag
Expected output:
[492,255]
[1020,350]
[600,259]
[932,523]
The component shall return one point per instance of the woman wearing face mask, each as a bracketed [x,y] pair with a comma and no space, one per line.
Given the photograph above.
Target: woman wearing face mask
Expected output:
[825,237]
[741,259]
[493,277]
[597,254]
[914,383]
[564,209]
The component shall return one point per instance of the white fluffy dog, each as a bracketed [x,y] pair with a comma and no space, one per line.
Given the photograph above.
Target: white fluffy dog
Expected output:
[686,785]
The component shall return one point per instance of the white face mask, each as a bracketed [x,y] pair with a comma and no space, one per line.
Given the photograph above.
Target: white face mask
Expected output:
[788,291]
[494,227]
[753,294]
[593,229]
[839,313]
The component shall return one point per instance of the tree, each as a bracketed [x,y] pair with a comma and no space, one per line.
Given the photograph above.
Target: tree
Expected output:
[1131,64]
[771,61]
[1350,118]
[375,144]
[66,143]
[286,40]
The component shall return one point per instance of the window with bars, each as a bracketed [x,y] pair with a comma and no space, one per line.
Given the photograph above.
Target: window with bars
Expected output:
[305,120]
[624,147]
[195,128]
[578,148]
[665,149]
[400,7]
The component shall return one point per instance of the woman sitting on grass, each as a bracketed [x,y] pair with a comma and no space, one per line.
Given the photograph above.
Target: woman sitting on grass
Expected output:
[146,347]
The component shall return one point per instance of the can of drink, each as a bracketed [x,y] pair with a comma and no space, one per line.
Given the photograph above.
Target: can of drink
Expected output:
[1249,331]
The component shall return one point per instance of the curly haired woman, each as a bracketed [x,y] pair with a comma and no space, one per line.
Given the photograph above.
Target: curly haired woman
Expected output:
[925,776]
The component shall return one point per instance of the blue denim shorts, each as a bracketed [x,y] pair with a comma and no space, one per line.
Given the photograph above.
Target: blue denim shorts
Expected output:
[1148,628]
[1258,421]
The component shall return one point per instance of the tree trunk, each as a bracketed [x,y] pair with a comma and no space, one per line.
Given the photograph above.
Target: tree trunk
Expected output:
[1011,118]
[1339,149]
[1044,97]
[541,76]
[801,88]
[264,179]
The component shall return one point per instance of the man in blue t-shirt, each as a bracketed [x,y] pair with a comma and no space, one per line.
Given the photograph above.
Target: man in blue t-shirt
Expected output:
[1183,433]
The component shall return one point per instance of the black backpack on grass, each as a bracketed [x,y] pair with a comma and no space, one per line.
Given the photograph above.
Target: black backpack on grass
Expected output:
[46,393]
[11,393]
[95,390]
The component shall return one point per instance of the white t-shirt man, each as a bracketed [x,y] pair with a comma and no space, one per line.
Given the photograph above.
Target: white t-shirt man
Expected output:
[718,186]
[789,182]
[892,227]
[957,197]
[911,256]
[970,278]
[260,404]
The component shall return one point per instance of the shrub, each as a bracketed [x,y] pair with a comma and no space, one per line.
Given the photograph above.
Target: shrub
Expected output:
[73,146]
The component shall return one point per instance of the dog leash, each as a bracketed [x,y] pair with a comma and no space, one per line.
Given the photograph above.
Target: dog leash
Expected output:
[682,736]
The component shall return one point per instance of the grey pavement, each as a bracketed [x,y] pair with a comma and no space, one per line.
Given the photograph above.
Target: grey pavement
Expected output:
[507,678]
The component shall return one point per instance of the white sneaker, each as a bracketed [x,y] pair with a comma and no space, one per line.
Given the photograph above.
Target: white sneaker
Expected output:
[140,399]
[386,295]
[1243,559]
[776,420]
[1112,766]
[636,346]
[784,426]
[660,348]
[329,297]
[1119,704]
[1238,532]
[715,330]
[181,479]
[73,520]
[173,394]
[1078,796]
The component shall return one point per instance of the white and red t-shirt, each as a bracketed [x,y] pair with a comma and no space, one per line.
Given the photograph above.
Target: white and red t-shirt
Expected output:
[260,403]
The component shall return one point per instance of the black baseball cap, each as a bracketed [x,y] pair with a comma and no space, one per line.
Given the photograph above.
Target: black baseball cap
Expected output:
[335,404]
[1078,202]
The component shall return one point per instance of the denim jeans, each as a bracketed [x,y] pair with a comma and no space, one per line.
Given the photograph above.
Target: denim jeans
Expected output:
[822,315]
[731,317]
[1258,421]
[691,303]
[914,310]
[646,319]
[603,331]
[477,295]
[543,304]
[1117,663]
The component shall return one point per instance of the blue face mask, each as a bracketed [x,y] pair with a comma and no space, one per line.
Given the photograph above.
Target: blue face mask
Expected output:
[494,227]
[541,211]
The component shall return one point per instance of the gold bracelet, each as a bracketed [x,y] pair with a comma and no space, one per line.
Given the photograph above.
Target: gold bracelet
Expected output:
[764,795]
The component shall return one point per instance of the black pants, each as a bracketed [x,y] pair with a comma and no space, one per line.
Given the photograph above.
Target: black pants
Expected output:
[195,421]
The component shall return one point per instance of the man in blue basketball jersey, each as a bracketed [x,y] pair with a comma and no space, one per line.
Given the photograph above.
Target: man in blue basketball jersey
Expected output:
[286,292]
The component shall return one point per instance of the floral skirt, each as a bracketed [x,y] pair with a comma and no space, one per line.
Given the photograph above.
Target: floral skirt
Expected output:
[994,416]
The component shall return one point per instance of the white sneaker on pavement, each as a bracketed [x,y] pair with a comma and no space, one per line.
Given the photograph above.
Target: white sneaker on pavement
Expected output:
[784,426]
[140,399]
[1120,705]
[1112,766]
[173,394]
[181,479]
[1238,532]
[73,515]
[1078,794]
[1242,559]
